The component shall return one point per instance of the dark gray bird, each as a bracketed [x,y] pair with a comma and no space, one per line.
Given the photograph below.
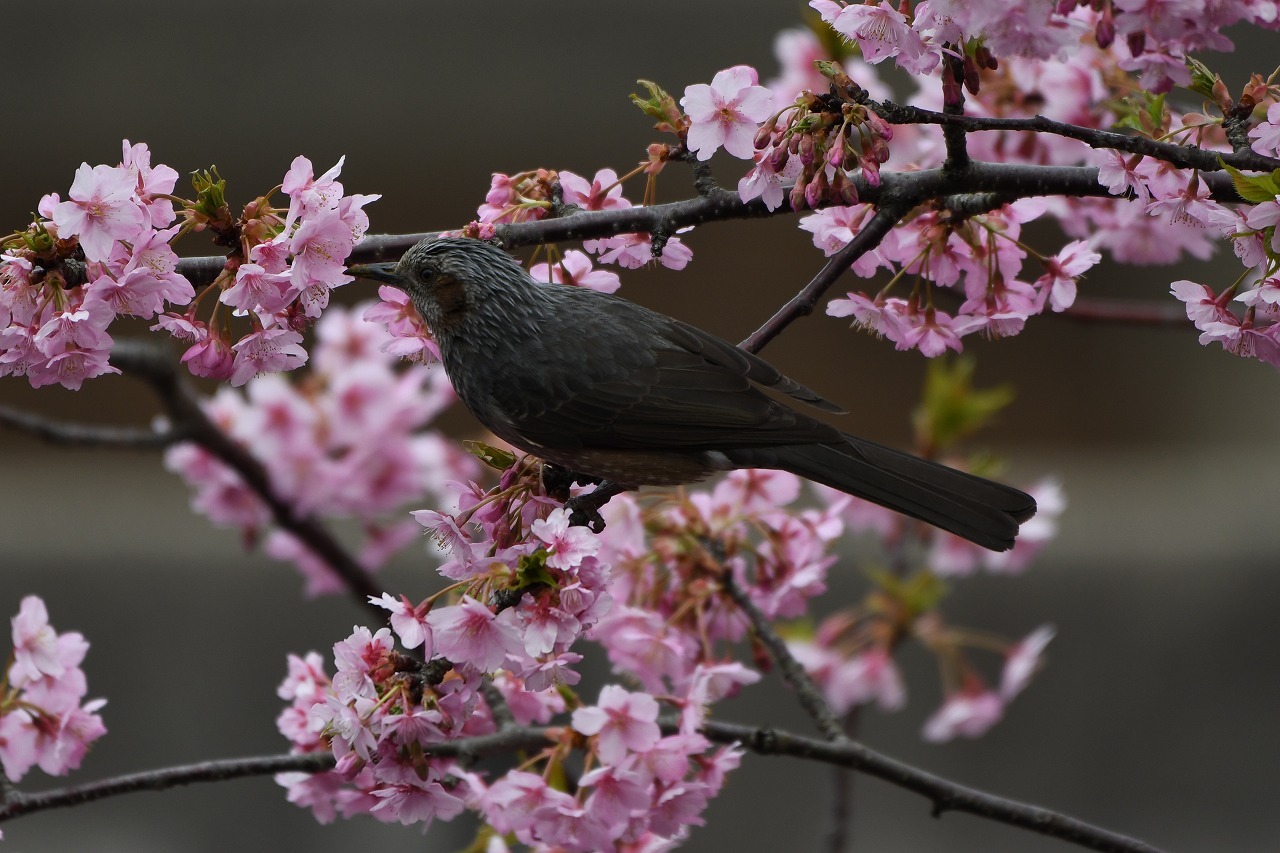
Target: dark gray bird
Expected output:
[604,387]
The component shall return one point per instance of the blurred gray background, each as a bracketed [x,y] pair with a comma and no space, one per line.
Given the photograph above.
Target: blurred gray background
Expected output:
[1156,715]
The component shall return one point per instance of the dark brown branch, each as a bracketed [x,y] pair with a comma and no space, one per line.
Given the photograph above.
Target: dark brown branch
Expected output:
[807,692]
[803,303]
[953,136]
[152,362]
[944,794]
[1182,156]
[986,181]
[18,804]
[84,435]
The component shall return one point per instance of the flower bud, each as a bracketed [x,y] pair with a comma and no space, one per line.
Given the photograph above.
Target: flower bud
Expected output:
[797,195]
[806,150]
[815,192]
[778,158]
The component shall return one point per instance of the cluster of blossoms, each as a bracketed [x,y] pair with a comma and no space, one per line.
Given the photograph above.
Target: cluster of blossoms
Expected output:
[106,251]
[850,655]
[279,275]
[1162,213]
[1152,39]
[524,589]
[42,720]
[350,441]
[819,149]
[546,586]
[101,253]
[980,255]
[529,195]
[1255,331]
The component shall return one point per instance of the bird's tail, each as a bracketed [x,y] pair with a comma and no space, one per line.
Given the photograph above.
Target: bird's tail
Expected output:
[984,512]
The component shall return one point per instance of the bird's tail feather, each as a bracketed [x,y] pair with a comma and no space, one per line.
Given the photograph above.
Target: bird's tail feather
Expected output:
[984,512]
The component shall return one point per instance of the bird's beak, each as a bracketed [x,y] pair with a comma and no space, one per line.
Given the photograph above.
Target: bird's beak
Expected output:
[385,273]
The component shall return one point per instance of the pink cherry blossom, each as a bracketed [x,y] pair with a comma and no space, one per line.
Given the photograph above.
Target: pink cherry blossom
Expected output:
[881,31]
[622,721]
[931,332]
[307,193]
[575,269]
[255,288]
[267,351]
[102,208]
[1023,660]
[417,801]
[1203,305]
[966,714]
[603,192]
[635,250]
[469,632]
[409,622]
[1058,284]
[887,317]
[1266,135]
[153,183]
[37,649]
[566,546]
[211,356]
[410,338]
[764,181]
[727,112]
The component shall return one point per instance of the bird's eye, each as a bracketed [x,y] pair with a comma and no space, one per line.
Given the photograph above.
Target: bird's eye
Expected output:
[427,273]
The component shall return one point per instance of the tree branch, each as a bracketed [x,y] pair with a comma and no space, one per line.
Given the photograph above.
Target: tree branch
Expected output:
[152,362]
[1181,156]
[85,435]
[811,698]
[18,804]
[803,303]
[944,794]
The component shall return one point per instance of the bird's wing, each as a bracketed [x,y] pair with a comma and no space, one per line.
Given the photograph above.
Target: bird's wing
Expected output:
[755,368]
[662,385]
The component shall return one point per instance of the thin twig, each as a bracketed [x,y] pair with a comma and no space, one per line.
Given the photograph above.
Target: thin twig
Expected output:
[954,138]
[498,707]
[85,435]
[1181,156]
[803,303]
[152,362]
[807,692]
[841,801]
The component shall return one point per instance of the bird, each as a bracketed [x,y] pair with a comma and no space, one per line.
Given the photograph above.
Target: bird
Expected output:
[609,389]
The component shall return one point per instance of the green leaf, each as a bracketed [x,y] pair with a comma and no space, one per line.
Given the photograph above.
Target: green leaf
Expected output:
[1202,79]
[919,593]
[951,408]
[211,191]
[489,455]
[659,106]
[532,569]
[1254,188]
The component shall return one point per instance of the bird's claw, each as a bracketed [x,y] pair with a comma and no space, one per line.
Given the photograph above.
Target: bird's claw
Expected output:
[584,512]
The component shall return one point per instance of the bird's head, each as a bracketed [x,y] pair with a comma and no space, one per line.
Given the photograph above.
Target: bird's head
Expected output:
[446,277]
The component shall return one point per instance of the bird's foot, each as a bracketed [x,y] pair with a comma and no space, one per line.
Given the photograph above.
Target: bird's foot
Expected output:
[557,480]
[584,510]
